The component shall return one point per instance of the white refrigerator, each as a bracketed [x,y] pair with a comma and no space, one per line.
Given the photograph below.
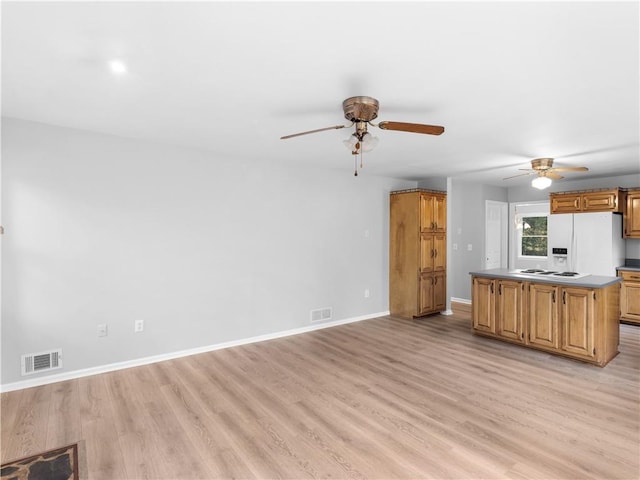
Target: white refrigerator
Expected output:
[589,243]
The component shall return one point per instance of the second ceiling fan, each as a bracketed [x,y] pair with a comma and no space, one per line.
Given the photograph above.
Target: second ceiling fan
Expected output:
[360,111]
[545,172]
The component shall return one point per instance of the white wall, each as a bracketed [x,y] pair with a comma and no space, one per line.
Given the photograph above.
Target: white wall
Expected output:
[467,203]
[101,229]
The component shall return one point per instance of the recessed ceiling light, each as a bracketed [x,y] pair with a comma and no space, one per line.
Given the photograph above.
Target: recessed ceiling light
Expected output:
[118,67]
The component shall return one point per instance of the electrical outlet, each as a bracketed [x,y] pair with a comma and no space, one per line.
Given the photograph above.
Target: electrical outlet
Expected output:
[469,247]
[366,293]
[138,326]
[102,330]
[455,246]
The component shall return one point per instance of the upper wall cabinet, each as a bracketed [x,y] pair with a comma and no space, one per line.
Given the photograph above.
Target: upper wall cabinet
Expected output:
[605,200]
[632,214]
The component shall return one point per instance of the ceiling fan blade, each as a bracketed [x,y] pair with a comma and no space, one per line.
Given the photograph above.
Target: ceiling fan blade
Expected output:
[519,175]
[337,127]
[570,169]
[411,127]
[553,176]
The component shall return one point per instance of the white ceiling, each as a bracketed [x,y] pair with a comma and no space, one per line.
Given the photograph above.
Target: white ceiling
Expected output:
[510,81]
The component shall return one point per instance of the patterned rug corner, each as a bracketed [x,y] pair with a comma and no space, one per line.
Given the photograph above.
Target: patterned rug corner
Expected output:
[57,464]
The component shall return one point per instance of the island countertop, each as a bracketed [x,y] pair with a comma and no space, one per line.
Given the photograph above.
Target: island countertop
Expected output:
[590,281]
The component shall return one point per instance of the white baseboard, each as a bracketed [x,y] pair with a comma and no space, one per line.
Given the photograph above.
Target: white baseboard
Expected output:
[461,300]
[447,312]
[61,377]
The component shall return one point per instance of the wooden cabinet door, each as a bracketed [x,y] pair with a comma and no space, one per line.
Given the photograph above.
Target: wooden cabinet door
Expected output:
[543,315]
[425,297]
[427,219]
[440,213]
[577,321]
[565,203]
[509,310]
[440,252]
[439,291]
[632,215]
[483,308]
[630,296]
[600,201]
[427,253]
[433,212]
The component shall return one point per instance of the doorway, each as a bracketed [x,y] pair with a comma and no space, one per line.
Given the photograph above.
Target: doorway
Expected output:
[496,242]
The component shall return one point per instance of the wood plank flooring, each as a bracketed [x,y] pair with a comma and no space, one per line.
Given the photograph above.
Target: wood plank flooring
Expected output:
[382,398]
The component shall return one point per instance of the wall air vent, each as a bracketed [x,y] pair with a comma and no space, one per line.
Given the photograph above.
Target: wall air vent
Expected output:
[41,362]
[321,314]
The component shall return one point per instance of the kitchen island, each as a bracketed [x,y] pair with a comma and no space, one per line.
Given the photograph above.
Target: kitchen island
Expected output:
[573,317]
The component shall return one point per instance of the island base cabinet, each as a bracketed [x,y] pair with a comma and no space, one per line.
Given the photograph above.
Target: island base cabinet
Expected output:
[577,322]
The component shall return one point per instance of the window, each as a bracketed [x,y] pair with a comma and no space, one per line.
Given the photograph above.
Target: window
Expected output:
[533,236]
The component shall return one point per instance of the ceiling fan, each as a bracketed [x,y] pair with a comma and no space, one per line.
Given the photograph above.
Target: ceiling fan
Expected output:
[545,172]
[360,111]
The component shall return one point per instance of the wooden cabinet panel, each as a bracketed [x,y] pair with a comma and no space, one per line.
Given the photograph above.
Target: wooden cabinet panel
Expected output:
[439,291]
[630,296]
[427,252]
[630,301]
[577,321]
[426,294]
[440,213]
[440,252]
[433,212]
[433,252]
[632,215]
[417,253]
[600,201]
[483,304]
[510,310]
[543,315]
[565,203]
[587,201]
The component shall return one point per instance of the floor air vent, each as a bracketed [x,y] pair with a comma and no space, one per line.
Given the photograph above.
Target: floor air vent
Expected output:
[41,362]
[321,314]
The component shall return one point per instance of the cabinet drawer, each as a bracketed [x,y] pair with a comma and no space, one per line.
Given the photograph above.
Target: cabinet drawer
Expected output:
[629,275]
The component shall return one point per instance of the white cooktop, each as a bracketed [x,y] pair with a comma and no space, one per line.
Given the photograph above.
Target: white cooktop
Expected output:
[536,272]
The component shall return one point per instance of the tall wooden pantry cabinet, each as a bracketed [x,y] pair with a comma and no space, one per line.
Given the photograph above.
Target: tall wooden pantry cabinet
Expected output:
[417,252]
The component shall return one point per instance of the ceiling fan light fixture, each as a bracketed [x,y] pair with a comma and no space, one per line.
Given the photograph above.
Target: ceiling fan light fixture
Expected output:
[350,142]
[369,142]
[360,111]
[541,182]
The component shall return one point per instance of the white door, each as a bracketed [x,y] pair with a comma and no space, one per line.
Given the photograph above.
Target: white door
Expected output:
[496,234]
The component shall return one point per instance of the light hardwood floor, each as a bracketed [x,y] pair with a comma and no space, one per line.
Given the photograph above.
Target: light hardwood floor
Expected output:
[382,398]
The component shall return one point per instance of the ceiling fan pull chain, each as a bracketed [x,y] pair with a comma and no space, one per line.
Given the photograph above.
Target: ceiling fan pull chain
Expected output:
[355,166]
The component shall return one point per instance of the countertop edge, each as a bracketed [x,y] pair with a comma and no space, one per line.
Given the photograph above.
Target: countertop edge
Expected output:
[628,269]
[592,281]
